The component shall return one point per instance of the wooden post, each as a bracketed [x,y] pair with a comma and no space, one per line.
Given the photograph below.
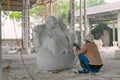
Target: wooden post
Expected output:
[50,8]
[0,47]
[118,28]
[72,14]
[85,18]
[80,23]
[26,26]
[113,28]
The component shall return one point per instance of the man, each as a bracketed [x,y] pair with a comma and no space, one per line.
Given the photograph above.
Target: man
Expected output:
[89,56]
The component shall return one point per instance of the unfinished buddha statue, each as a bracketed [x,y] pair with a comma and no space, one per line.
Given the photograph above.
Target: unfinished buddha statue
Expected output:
[53,46]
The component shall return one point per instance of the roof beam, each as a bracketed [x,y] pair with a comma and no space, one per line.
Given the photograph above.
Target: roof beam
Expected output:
[15,5]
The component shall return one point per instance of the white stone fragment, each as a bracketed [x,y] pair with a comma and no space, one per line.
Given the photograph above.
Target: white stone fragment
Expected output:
[117,54]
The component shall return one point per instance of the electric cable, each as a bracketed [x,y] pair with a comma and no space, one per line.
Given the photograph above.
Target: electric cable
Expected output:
[18,45]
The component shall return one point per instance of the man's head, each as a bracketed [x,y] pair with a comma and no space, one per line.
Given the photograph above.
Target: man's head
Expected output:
[89,38]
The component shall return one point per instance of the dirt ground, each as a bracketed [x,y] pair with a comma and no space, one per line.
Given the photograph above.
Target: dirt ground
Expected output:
[16,71]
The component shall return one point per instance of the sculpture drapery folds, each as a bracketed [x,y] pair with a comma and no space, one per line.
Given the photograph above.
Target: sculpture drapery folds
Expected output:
[53,45]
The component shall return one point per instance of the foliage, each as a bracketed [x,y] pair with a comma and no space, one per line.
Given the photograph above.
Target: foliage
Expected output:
[16,15]
[91,3]
[38,10]
[62,6]
[4,16]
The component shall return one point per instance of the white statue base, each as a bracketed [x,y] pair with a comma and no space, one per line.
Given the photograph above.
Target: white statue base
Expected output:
[117,54]
[54,62]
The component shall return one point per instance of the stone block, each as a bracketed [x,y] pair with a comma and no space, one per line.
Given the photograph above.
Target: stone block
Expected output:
[115,43]
[117,54]
[99,43]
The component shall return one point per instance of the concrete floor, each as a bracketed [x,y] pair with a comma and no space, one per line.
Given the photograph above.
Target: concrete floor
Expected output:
[109,71]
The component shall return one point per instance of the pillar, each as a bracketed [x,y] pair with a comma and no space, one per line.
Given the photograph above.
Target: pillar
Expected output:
[88,26]
[118,28]
[80,23]
[72,14]
[85,18]
[26,26]
[51,8]
[113,29]
[0,47]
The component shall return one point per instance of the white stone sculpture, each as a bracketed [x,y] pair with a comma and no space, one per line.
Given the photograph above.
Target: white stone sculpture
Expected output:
[53,45]
[99,43]
[117,54]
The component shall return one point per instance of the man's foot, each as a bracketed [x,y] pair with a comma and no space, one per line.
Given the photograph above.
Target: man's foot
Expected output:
[80,71]
[75,71]
[92,73]
[83,71]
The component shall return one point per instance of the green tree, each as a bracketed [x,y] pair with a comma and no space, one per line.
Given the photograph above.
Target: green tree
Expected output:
[91,3]
[15,15]
[62,6]
[38,10]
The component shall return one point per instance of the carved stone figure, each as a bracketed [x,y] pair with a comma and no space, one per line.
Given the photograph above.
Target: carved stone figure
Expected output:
[53,45]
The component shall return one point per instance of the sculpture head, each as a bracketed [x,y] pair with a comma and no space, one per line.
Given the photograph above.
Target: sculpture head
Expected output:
[63,15]
[51,22]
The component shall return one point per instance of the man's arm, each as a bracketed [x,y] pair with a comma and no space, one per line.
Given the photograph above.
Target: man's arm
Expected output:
[83,50]
[77,46]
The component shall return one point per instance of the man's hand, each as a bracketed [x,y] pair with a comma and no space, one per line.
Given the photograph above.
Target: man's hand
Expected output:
[77,51]
[76,45]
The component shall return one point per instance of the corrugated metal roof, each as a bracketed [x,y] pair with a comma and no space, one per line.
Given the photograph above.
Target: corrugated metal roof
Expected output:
[102,12]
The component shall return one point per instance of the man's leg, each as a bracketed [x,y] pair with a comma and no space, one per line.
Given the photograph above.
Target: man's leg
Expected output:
[95,68]
[84,63]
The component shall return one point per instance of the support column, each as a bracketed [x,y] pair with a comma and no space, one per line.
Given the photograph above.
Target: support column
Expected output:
[113,29]
[118,28]
[26,26]
[72,14]
[0,47]
[51,7]
[88,26]
[80,23]
[85,18]
[117,52]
